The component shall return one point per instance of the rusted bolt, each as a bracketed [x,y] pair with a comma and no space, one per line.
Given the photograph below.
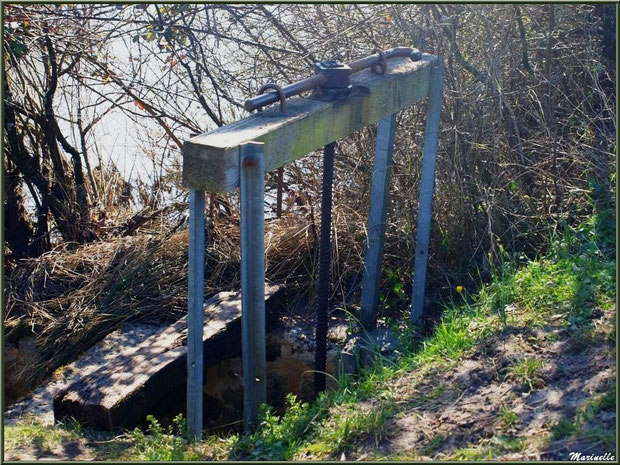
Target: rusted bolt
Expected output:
[249,162]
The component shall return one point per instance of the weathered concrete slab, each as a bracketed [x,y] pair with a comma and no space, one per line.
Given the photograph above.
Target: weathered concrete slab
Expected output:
[123,393]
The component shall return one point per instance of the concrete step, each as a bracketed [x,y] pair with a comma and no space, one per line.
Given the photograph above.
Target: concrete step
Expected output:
[124,392]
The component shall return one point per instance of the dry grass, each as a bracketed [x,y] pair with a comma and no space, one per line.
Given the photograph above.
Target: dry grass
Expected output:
[70,300]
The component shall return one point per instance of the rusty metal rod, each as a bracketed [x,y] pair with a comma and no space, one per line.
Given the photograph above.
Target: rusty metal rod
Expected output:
[292,89]
[375,59]
[319,80]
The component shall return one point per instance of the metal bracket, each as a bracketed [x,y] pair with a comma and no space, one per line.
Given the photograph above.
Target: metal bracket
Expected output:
[337,74]
[279,91]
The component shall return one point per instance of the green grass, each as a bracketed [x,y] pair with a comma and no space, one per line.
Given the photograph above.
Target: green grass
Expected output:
[527,372]
[32,437]
[42,438]
[433,445]
[604,402]
[452,336]
[489,448]
[587,423]
[508,417]
[577,275]
[344,426]
[563,429]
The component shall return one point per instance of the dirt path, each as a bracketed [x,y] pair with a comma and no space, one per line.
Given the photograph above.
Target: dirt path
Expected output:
[506,398]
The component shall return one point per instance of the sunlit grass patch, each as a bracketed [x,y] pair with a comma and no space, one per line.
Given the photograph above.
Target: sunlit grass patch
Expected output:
[489,448]
[527,372]
[460,329]
[508,417]
[42,438]
[347,424]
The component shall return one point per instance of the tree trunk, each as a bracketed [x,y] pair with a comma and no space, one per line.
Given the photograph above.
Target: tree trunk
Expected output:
[17,228]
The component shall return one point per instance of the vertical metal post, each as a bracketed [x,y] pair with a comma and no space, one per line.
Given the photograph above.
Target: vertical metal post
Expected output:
[320,337]
[279,192]
[431,141]
[252,184]
[379,199]
[195,317]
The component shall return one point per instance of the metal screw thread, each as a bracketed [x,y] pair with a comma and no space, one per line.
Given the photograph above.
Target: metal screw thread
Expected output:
[320,357]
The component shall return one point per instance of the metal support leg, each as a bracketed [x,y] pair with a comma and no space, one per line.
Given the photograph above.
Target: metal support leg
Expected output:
[320,356]
[379,200]
[279,192]
[431,140]
[252,183]
[195,319]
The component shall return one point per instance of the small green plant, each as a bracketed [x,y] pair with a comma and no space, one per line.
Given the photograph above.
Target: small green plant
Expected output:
[278,436]
[605,402]
[527,372]
[432,445]
[161,444]
[563,429]
[508,417]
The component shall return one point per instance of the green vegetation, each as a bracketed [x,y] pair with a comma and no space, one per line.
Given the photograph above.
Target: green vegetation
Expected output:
[68,440]
[563,429]
[433,444]
[576,276]
[527,371]
[591,409]
[278,437]
[560,291]
[508,417]
[490,448]
[161,443]
[587,422]
[90,248]
[43,439]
